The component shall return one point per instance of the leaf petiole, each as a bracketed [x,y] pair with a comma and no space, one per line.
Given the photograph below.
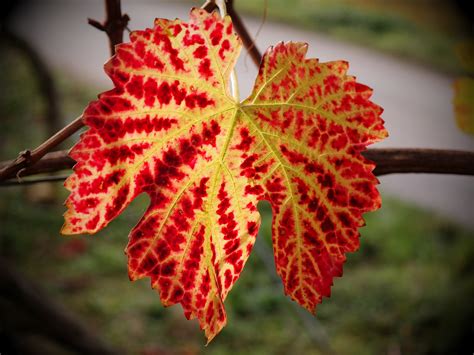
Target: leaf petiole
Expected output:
[234,84]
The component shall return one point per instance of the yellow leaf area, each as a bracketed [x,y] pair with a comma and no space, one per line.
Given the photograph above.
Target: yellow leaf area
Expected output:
[464,104]
[171,129]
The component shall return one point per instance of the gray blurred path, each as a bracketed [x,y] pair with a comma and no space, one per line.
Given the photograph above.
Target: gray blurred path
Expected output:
[417,101]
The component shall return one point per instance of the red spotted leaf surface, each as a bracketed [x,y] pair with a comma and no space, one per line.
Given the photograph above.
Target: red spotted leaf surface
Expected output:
[171,129]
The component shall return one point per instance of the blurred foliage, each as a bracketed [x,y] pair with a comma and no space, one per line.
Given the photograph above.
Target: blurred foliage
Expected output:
[408,290]
[463,100]
[426,31]
[22,121]
[464,104]
[19,104]
[465,52]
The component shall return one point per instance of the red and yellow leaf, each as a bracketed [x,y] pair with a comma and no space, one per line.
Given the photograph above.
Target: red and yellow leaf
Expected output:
[309,122]
[171,129]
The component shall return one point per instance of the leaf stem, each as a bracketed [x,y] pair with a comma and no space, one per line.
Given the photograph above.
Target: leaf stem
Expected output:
[234,84]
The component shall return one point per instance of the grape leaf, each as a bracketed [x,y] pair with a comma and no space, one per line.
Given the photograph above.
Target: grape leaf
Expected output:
[170,128]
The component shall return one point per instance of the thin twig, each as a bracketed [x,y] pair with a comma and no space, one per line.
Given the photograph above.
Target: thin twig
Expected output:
[209,6]
[28,158]
[114,25]
[51,162]
[260,27]
[240,28]
[247,40]
[387,160]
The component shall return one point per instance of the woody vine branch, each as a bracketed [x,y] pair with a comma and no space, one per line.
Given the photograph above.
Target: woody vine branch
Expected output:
[43,159]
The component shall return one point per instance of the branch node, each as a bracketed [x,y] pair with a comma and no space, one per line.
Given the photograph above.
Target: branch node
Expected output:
[125,19]
[96,24]
[26,155]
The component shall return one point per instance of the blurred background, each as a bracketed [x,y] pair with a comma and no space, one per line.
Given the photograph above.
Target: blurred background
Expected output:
[408,290]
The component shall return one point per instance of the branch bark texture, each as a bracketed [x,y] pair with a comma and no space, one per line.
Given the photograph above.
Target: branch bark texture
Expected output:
[387,160]
[28,158]
[114,25]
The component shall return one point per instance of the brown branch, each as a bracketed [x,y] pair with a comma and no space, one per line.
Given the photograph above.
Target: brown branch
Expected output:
[114,25]
[418,160]
[28,158]
[240,28]
[209,6]
[247,40]
[51,162]
[387,160]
